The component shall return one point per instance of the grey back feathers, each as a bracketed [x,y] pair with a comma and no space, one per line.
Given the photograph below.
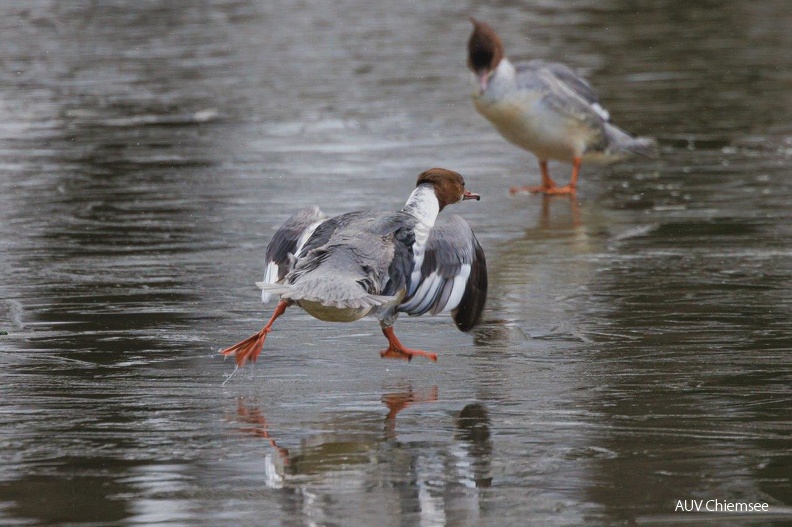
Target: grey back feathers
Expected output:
[288,239]
[350,271]
[345,263]
[365,261]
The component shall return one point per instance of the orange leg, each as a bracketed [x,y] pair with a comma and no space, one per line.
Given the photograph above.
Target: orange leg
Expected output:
[547,183]
[571,188]
[251,346]
[548,186]
[397,350]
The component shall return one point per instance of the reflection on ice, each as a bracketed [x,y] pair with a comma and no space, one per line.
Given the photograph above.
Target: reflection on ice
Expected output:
[436,484]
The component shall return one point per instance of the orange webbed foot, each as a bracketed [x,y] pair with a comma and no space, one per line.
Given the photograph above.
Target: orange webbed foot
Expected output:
[547,186]
[390,353]
[557,191]
[397,350]
[248,349]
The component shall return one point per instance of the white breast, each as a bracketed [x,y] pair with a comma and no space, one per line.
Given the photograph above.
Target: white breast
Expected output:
[522,117]
[524,120]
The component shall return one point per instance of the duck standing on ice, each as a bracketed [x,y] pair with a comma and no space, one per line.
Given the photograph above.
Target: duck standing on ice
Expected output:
[547,109]
[377,263]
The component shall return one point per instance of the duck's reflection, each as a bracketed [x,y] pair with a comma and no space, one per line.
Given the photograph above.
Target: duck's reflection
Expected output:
[327,451]
[436,480]
[573,219]
[473,433]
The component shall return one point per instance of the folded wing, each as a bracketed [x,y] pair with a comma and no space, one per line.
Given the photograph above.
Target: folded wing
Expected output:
[453,276]
[564,90]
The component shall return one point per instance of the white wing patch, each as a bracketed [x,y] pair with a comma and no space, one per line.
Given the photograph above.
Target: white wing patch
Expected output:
[451,276]
[460,282]
[426,293]
[602,112]
[306,235]
[270,277]
[432,286]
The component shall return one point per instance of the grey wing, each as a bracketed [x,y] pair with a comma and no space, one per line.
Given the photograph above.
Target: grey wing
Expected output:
[571,78]
[563,86]
[453,276]
[288,241]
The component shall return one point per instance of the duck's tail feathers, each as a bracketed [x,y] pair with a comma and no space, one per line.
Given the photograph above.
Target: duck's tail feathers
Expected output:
[329,294]
[622,145]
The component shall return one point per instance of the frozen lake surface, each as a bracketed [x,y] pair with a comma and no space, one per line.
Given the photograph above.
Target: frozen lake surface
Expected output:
[637,344]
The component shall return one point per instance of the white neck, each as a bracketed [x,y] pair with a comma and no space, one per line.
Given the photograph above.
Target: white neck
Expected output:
[505,69]
[423,204]
[503,79]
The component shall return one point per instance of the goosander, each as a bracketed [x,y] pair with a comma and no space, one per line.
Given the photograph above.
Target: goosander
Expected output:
[547,109]
[362,263]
